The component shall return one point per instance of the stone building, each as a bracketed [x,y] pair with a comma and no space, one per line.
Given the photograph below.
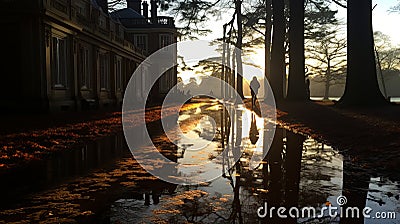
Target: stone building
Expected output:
[150,33]
[65,55]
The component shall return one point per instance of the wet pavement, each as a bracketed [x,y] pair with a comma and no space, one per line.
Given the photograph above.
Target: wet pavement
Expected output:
[102,183]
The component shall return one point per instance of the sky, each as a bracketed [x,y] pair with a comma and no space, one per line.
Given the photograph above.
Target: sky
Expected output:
[383,20]
[386,22]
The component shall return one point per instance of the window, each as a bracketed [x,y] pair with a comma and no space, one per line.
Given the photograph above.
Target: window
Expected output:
[140,41]
[118,74]
[104,71]
[59,60]
[165,40]
[102,22]
[166,82]
[81,8]
[117,30]
[84,68]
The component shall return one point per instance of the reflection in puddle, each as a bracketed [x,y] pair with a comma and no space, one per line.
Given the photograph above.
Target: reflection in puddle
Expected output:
[321,174]
[61,166]
[298,171]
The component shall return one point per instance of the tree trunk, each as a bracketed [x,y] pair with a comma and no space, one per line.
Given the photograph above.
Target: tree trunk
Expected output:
[239,45]
[223,75]
[327,86]
[228,69]
[296,83]
[361,83]
[268,32]
[278,51]
[327,80]
[234,73]
[267,42]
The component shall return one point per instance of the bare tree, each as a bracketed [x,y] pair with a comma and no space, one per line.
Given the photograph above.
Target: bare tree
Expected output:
[387,53]
[327,59]
[395,8]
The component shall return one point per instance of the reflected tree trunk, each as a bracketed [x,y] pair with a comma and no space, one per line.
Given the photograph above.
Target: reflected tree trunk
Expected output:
[238,135]
[265,174]
[274,196]
[236,205]
[355,189]
[294,149]
[227,129]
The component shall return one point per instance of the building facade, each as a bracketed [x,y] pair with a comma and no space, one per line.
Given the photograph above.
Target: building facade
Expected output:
[151,33]
[65,55]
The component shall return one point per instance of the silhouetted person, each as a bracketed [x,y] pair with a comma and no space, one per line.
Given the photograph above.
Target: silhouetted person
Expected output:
[254,86]
[308,88]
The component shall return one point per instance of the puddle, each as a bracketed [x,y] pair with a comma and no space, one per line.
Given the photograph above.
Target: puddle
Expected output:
[299,171]
[102,182]
[61,166]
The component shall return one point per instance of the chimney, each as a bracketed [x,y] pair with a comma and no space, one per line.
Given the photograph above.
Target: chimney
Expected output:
[135,5]
[145,9]
[103,5]
[153,10]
